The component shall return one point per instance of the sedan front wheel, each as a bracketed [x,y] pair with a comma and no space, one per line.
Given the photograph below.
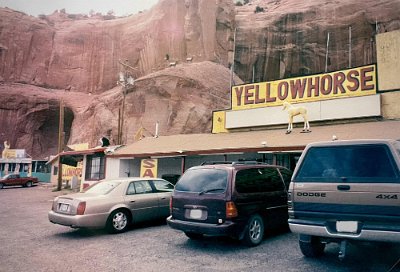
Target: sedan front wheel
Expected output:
[117,222]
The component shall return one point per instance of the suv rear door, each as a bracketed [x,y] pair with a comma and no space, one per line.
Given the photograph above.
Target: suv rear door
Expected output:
[347,182]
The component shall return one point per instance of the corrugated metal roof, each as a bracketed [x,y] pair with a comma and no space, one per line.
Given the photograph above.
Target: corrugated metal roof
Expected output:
[265,140]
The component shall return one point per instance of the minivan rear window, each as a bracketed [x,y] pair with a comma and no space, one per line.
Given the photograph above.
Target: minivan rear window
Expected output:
[204,180]
[258,180]
[366,163]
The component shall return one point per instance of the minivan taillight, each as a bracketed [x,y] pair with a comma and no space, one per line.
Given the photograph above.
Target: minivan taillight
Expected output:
[170,205]
[81,208]
[231,210]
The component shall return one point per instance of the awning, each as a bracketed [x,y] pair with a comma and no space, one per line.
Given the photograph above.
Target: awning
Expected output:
[72,157]
[256,141]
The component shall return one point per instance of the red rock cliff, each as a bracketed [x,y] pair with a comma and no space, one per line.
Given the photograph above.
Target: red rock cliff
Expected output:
[69,51]
[77,59]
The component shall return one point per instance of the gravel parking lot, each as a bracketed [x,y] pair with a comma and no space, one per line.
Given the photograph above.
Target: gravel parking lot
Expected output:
[29,242]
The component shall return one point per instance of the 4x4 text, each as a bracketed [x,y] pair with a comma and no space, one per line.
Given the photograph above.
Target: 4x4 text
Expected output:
[381,196]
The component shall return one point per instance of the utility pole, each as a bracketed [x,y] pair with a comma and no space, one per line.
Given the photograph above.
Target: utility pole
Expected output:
[349,46]
[60,144]
[327,51]
[233,59]
[126,80]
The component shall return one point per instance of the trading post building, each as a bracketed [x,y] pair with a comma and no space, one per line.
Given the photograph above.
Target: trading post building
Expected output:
[273,121]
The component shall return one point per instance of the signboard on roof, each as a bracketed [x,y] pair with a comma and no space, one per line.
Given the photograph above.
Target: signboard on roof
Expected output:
[353,82]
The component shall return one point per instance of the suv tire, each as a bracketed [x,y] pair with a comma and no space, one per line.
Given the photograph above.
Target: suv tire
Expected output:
[254,231]
[314,248]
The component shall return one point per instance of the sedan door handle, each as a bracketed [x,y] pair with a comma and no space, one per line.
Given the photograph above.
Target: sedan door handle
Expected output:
[343,187]
[163,198]
[132,201]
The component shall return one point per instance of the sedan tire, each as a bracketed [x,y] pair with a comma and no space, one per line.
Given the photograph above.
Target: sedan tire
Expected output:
[28,184]
[118,221]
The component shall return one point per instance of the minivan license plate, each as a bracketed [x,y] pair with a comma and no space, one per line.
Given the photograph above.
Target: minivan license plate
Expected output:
[195,213]
[347,226]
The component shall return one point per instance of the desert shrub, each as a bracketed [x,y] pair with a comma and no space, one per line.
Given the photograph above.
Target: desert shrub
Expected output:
[258,9]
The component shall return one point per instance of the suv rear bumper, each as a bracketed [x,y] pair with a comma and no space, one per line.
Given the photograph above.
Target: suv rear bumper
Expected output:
[225,229]
[369,234]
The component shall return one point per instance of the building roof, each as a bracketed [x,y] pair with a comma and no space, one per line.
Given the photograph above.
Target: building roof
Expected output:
[77,152]
[253,141]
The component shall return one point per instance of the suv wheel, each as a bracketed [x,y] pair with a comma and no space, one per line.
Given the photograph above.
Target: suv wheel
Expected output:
[254,232]
[194,236]
[314,248]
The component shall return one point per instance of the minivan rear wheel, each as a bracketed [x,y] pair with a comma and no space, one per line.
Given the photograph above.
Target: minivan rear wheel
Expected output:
[194,236]
[254,232]
[313,248]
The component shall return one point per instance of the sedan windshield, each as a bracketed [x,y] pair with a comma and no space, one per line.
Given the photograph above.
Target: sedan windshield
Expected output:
[103,188]
[203,181]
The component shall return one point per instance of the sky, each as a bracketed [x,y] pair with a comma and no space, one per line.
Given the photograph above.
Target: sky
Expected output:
[46,7]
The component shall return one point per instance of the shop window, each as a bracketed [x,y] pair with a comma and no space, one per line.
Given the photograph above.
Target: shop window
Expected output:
[95,167]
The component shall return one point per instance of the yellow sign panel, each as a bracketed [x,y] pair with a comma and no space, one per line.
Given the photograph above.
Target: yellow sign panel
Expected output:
[388,56]
[10,154]
[79,147]
[218,124]
[358,81]
[148,168]
[69,171]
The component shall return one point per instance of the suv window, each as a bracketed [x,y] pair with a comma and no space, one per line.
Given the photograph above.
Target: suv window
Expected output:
[206,180]
[348,163]
[258,180]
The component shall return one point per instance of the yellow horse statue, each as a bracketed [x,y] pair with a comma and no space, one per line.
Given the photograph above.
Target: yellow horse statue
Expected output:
[4,154]
[294,111]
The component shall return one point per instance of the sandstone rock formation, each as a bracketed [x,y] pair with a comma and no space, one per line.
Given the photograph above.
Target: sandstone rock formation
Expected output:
[287,38]
[179,53]
[180,98]
[82,54]
[77,59]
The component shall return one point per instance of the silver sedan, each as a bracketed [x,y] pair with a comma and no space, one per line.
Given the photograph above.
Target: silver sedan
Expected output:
[114,204]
